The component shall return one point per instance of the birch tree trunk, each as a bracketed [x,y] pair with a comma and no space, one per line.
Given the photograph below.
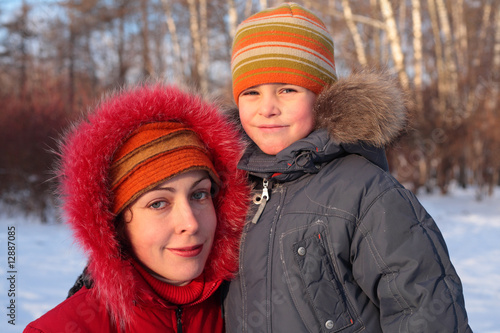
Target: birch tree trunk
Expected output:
[232,14]
[248,8]
[474,95]
[417,54]
[205,51]
[395,42]
[451,66]
[440,66]
[476,62]
[377,45]
[495,90]
[122,67]
[460,29]
[146,59]
[194,28]
[172,28]
[496,47]
[358,43]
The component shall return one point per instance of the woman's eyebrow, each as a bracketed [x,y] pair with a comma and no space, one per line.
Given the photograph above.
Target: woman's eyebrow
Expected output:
[171,189]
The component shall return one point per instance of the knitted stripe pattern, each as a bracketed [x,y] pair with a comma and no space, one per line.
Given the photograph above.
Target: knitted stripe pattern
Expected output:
[286,44]
[151,155]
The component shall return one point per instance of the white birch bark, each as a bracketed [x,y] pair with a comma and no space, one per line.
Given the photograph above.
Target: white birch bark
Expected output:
[172,28]
[194,28]
[495,90]
[146,58]
[460,29]
[395,42]
[496,47]
[476,62]
[205,51]
[417,52]
[377,45]
[358,43]
[440,66]
[450,60]
[248,8]
[232,15]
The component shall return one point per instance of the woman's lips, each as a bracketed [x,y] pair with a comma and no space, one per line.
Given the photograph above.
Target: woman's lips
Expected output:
[189,251]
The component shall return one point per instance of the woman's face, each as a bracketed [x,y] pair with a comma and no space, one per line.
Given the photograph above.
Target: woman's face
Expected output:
[171,228]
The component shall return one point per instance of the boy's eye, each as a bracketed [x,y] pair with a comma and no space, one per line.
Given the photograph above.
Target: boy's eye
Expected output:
[288,90]
[249,92]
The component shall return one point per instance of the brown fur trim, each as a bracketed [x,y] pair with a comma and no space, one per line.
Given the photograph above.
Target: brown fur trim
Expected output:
[365,106]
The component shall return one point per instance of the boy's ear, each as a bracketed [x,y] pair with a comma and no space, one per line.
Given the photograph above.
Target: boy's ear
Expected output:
[366,106]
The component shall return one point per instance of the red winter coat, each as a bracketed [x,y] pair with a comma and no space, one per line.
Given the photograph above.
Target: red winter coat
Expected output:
[120,299]
[85,312]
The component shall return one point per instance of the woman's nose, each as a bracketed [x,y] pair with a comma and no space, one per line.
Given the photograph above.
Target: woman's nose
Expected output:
[187,221]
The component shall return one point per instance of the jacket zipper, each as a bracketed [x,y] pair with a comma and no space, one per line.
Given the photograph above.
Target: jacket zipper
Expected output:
[178,314]
[262,200]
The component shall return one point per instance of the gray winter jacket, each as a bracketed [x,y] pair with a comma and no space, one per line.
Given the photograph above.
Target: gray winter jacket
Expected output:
[340,245]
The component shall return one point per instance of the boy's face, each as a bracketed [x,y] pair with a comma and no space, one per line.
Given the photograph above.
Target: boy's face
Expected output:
[275,115]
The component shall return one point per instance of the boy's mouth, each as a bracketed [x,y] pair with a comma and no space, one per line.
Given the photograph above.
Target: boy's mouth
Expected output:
[270,127]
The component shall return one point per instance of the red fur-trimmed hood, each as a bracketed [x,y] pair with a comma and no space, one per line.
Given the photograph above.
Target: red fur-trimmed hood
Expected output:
[86,152]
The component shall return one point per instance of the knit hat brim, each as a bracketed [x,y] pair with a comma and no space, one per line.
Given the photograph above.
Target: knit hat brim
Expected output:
[153,154]
[286,44]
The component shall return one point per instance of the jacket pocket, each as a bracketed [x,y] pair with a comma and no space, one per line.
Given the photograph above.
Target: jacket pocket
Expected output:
[311,279]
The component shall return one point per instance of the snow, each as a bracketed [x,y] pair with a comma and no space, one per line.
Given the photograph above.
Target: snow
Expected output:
[48,262]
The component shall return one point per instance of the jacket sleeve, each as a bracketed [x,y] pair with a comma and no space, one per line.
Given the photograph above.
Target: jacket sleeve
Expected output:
[401,261]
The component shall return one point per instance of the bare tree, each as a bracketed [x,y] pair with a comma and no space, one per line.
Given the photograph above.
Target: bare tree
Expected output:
[232,14]
[417,53]
[205,50]
[147,68]
[395,42]
[172,28]
[358,43]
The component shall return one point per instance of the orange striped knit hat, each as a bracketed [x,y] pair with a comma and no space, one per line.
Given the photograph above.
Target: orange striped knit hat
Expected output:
[152,154]
[285,44]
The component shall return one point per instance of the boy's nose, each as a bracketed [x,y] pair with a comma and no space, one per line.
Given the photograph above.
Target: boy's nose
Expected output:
[269,107]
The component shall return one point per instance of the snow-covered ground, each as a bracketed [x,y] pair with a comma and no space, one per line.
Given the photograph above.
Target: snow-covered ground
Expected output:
[47,262]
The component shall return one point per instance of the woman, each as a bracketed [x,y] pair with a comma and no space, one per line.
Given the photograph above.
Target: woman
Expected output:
[151,190]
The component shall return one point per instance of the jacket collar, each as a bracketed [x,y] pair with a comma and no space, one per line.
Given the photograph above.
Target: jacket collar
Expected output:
[308,155]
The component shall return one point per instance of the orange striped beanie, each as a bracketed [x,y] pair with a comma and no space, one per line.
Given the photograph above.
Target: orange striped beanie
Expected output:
[152,154]
[285,44]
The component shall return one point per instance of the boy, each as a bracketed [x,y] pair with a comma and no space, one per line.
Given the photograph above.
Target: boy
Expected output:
[333,242]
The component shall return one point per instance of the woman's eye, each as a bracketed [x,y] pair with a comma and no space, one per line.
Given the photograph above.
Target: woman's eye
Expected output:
[200,195]
[158,204]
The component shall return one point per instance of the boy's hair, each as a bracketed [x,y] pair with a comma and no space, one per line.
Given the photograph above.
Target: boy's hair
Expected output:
[285,44]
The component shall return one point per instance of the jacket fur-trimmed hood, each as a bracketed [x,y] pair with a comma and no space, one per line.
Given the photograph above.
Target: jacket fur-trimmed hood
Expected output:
[363,107]
[366,106]
[86,153]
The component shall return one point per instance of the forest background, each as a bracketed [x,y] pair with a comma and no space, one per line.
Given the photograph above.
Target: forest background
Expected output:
[58,58]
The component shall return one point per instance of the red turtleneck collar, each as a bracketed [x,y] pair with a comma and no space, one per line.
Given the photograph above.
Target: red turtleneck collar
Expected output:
[179,295]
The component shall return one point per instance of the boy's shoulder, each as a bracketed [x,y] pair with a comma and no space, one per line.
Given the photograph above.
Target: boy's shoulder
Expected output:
[353,176]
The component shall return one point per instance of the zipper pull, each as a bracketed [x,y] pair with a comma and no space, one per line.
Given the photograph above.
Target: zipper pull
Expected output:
[178,314]
[261,201]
